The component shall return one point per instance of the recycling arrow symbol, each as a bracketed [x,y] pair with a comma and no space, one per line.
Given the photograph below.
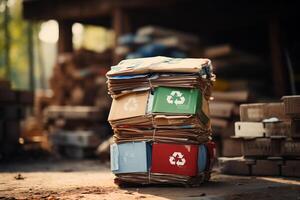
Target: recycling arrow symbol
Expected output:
[131,104]
[176,97]
[177,158]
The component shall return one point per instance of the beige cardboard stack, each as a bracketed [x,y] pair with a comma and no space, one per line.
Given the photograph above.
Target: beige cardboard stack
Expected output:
[270,139]
[153,72]
[131,83]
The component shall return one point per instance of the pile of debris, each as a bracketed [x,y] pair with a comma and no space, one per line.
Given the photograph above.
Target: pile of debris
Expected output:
[79,79]
[76,131]
[152,41]
[160,118]
[76,120]
[267,137]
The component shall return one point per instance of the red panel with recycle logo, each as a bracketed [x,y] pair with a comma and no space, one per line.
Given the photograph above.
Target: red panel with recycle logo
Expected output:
[174,159]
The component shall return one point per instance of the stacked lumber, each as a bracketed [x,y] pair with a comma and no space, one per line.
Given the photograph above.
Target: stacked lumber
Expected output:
[76,118]
[79,79]
[269,138]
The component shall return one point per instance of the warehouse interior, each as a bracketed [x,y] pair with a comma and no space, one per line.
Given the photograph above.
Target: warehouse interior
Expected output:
[61,89]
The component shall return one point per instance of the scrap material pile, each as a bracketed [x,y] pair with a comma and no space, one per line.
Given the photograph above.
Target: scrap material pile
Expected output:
[13,108]
[152,41]
[268,134]
[224,109]
[76,131]
[161,123]
[79,79]
[241,79]
[76,120]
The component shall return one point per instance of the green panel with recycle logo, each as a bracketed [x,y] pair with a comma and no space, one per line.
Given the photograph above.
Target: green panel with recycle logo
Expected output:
[176,100]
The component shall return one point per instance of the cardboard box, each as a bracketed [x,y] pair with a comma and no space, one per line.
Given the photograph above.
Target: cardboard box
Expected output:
[292,105]
[291,168]
[280,128]
[257,112]
[232,147]
[249,129]
[176,100]
[234,166]
[203,156]
[158,64]
[295,128]
[291,148]
[131,157]
[234,96]
[128,106]
[262,147]
[175,159]
[143,109]
[221,109]
[267,168]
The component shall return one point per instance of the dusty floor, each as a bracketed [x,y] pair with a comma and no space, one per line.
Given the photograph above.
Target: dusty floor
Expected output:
[89,179]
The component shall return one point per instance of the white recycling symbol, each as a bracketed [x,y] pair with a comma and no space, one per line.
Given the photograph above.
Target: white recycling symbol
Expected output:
[180,159]
[178,96]
[131,104]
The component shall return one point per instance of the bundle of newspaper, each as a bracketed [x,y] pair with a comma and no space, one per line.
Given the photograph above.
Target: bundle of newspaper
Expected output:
[147,73]
[161,100]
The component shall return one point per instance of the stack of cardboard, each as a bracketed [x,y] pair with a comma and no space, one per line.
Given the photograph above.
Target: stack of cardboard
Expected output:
[160,118]
[14,106]
[156,41]
[269,134]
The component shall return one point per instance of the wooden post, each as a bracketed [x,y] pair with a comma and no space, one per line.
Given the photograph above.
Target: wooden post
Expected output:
[65,43]
[279,75]
[6,40]
[121,25]
[30,56]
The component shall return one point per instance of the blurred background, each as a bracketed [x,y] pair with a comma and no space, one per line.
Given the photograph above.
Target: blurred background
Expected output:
[54,56]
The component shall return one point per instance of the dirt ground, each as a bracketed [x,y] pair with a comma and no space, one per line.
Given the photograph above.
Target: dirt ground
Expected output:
[90,179]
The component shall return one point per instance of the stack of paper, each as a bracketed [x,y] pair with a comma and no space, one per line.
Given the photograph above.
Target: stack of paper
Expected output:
[147,73]
[165,101]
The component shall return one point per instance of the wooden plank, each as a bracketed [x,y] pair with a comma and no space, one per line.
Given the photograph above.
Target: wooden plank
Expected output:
[72,10]
[267,168]
[279,75]
[121,25]
[235,166]
[65,43]
[48,9]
